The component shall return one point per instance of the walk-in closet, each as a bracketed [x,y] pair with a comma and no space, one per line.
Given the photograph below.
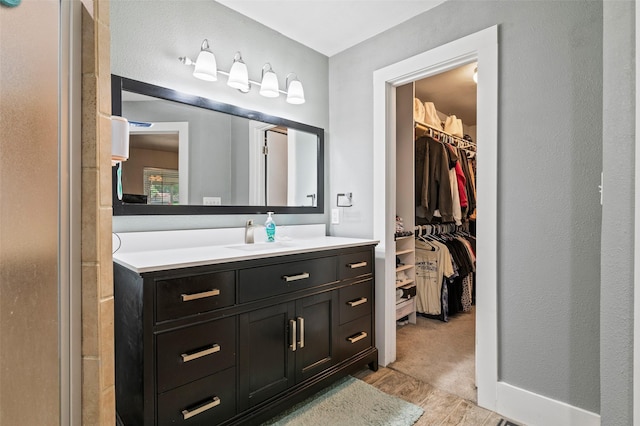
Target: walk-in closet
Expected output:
[436,154]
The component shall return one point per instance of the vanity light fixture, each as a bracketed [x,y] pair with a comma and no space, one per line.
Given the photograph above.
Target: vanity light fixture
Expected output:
[295,92]
[206,67]
[475,75]
[238,76]
[269,84]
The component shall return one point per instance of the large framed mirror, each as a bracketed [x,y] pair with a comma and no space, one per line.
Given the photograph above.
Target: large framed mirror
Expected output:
[190,155]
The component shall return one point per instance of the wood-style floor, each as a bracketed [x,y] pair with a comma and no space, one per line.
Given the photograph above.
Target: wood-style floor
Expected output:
[440,407]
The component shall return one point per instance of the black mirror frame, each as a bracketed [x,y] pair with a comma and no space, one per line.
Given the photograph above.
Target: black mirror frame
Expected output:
[118,84]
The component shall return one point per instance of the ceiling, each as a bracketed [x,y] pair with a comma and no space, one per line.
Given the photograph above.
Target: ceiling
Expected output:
[337,25]
[330,26]
[452,92]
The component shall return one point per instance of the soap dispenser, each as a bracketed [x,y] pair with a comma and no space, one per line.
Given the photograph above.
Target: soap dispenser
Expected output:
[270,227]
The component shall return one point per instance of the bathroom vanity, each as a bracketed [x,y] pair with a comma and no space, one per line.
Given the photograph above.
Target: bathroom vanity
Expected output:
[212,331]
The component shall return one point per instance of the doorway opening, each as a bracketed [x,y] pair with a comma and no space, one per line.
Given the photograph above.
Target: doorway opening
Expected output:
[435,230]
[480,47]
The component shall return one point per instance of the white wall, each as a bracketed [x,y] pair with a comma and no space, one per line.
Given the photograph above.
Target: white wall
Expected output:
[148,37]
[550,122]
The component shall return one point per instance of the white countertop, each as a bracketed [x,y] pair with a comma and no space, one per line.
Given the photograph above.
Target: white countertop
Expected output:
[161,250]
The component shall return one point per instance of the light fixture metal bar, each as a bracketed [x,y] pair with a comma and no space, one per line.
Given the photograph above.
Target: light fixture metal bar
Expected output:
[186,61]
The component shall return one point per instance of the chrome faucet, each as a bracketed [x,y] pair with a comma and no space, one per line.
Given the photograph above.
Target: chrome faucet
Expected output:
[248,232]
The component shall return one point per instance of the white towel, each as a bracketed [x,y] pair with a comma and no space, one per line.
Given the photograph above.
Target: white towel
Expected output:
[431,115]
[418,110]
[453,126]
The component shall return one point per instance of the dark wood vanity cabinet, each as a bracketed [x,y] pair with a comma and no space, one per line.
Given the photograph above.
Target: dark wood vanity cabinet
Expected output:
[236,343]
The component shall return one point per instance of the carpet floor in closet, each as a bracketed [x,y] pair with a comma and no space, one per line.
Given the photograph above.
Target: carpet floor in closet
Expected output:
[440,353]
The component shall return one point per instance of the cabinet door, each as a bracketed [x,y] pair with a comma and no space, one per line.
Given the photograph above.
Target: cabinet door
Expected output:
[266,355]
[317,319]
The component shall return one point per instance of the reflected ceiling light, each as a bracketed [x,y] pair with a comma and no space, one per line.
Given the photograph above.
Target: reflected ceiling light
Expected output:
[475,75]
[238,76]
[269,84]
[295,92]
[206,67]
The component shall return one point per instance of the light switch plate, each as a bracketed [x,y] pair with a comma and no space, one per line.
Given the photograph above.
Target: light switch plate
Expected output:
[335,216]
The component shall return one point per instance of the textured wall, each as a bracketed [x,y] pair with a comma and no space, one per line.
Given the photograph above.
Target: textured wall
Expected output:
[29,358]
[98,370]
[616,324]
[550,153]
[147,39]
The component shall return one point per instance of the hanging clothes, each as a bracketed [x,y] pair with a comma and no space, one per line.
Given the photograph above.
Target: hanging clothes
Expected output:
[433,264]
[432,180]
[445,269]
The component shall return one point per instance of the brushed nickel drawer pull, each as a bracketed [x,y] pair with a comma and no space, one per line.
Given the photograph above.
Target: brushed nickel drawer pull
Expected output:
[195,296]
[301,276]
[187,414]
[357,337]
[210,350]
[357,265]
[354,303]
[301,341]
[292,326]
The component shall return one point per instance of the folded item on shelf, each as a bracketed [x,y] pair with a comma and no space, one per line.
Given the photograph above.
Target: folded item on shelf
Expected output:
[431,115]
[408,291]
[418,110]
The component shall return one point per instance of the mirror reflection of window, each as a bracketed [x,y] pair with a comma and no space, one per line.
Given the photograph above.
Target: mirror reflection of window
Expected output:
[161,186]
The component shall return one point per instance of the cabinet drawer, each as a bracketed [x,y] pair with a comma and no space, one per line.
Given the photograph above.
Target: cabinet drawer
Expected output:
[355,301]
[354,264]
[354,336]
[208,401]
[178,297]
[265,281]
[191,353]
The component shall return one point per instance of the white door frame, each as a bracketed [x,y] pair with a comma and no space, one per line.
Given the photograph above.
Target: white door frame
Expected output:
[257,129]
[181,128]
[483,48]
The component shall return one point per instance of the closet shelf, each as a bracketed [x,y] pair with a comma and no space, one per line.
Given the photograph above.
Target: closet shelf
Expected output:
[403,268]
[404,237]
[406,307]
[403,283]
[401,252]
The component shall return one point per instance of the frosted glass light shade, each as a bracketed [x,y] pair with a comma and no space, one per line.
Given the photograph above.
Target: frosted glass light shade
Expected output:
[475,75]
[238,75]
[119,139]
[269,84]
[206,66]
[295,92]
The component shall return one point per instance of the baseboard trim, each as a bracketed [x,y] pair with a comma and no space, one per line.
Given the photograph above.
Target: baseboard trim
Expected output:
[533,409]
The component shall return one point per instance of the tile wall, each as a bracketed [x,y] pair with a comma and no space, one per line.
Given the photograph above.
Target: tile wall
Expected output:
[98,386]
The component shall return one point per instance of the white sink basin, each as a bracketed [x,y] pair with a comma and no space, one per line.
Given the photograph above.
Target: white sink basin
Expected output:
[261,246]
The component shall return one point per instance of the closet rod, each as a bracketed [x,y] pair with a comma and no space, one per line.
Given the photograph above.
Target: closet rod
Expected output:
[439,228]
[463,142]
